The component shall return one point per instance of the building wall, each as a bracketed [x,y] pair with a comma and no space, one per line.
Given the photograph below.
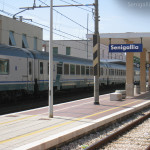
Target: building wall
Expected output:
[79,49]
[19,28]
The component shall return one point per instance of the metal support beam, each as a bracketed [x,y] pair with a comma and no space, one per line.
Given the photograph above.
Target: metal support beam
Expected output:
[96,56]
[56,6]
[51,63]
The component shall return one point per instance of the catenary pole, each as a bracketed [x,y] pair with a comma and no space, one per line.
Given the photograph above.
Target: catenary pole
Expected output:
[87,32]
[96,55]
[51,63]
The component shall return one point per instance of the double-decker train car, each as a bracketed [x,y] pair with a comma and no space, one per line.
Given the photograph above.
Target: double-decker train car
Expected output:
[22,69]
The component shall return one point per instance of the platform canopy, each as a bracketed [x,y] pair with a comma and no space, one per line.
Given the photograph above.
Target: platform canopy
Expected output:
[119,38]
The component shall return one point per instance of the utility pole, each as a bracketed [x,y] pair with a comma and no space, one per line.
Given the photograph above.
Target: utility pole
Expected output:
[96,55]
[51,63]
[50,91]
[87,32]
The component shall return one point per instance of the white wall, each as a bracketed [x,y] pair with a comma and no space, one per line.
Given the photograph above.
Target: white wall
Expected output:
[79,49]
[19,28]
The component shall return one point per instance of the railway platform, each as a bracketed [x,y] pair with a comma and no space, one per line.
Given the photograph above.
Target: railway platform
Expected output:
[32,129]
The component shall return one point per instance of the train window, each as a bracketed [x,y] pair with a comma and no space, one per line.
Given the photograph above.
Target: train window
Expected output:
[87,70]
[59,68]
[117,71]
[48,68]
[106,71]
[109,71]
[72,69]
[66,68]
[77,69]
[41,67]
[113,72]
[30,68]
[101,71]
[91,71]
[83,70]
[4,67]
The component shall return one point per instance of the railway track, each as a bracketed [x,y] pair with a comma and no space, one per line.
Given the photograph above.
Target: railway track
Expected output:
[134,139]
[113,136]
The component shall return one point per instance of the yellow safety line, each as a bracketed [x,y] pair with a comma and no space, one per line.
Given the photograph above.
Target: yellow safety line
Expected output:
[59,125]
[18,119]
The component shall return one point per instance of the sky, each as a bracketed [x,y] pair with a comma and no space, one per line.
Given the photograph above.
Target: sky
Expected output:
[116,16]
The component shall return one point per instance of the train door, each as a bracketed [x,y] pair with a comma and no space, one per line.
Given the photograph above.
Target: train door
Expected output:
[41,75]
[30,81]
[25,74]
[59,74]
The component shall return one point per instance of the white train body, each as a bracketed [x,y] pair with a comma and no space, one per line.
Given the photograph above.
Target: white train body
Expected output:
[19,68]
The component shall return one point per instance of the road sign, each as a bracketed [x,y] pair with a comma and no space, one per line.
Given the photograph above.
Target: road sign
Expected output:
[122,48]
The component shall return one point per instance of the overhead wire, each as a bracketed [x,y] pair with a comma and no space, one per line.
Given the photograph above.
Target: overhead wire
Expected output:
[75,6]
[67,17]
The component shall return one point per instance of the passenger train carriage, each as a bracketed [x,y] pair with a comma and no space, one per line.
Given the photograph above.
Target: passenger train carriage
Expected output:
[21,68]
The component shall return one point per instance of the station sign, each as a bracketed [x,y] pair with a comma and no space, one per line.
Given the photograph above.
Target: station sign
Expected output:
[123,48]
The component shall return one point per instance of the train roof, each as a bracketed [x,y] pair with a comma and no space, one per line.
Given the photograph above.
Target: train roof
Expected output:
[14,51]
[75,60]
[40,54]
[116,66]
[21,52]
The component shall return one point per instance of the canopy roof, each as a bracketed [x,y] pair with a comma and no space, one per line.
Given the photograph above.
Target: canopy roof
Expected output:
[120,38]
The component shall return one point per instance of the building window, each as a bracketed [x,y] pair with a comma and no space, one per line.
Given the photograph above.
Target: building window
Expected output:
[30,68]
[41,67]
[12,39]
[66,69]
[24,41]
[35,43]
[55,50]
[68,50]
[4,67]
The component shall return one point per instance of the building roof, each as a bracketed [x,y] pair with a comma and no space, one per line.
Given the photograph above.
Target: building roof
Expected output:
[120,38]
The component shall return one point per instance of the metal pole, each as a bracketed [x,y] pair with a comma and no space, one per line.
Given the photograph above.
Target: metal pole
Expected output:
[51,63]
[96,75]
[87,32]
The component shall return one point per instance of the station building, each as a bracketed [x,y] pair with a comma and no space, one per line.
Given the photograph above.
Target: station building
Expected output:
[81,49]
[20,34]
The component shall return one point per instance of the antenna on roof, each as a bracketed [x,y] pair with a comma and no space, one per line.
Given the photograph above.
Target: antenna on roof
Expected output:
[34,4]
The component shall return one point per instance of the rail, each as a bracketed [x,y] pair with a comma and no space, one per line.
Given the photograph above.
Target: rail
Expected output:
[113,136]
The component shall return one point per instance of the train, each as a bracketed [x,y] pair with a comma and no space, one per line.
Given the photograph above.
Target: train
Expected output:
[27,71]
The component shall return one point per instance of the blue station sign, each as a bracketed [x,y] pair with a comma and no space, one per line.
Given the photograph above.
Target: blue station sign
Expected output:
[122,48]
